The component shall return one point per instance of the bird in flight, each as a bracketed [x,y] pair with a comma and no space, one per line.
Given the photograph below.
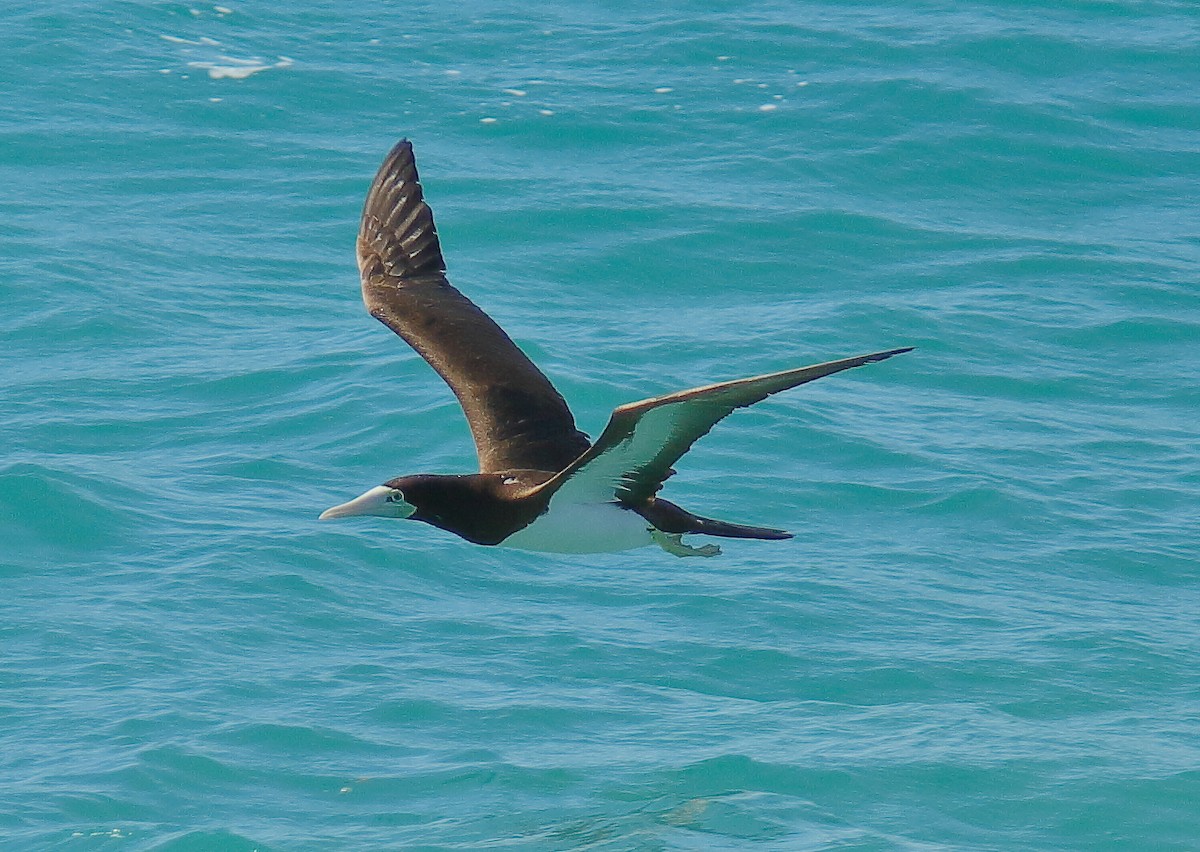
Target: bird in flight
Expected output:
[542,484]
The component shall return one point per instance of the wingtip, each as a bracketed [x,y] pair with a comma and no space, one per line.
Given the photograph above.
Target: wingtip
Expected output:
[397,235]
[883,356]
[401,150]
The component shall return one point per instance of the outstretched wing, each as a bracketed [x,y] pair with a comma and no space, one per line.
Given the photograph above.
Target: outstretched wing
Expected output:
[643,439]
[517,418]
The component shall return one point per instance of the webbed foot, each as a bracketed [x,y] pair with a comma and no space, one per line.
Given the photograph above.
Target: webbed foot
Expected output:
[673,544]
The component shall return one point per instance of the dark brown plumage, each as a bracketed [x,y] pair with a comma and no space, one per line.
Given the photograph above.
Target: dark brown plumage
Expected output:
[517,418]
[542,485]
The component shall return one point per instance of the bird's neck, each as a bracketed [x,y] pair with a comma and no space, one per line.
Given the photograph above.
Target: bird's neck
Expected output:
[483,508]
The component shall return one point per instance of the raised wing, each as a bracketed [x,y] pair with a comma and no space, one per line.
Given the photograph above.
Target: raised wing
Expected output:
[517,418]
[644,439]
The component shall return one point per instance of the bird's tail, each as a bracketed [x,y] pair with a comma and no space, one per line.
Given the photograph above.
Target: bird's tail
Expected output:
[707,526]
[669,518]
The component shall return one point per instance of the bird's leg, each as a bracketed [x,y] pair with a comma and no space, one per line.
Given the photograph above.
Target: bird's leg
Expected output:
[673,544]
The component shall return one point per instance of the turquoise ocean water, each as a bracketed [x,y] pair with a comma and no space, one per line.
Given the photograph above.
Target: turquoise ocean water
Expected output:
[983,637]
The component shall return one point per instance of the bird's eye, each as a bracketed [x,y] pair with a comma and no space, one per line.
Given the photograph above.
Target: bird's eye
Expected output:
[395,497]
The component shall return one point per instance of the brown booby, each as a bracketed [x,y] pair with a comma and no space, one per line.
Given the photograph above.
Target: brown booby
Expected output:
[542,485]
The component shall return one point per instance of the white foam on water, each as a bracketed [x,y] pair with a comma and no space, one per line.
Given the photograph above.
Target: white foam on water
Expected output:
[233,68]
[232,72]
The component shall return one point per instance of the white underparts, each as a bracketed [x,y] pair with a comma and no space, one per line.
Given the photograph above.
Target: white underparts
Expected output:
[583,528]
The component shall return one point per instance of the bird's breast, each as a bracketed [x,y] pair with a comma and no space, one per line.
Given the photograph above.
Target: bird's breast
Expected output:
[582,528]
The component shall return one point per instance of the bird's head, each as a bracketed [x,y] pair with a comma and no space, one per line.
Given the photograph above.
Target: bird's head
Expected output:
[384,501]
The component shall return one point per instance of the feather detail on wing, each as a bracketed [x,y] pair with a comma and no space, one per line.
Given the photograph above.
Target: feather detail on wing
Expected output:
[517,419]
[633,456]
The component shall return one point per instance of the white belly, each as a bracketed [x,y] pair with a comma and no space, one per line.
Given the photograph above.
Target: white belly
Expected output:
[583,528]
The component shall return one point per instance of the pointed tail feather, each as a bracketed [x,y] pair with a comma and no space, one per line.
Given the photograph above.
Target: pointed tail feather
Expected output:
[669,518]
[707,526]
